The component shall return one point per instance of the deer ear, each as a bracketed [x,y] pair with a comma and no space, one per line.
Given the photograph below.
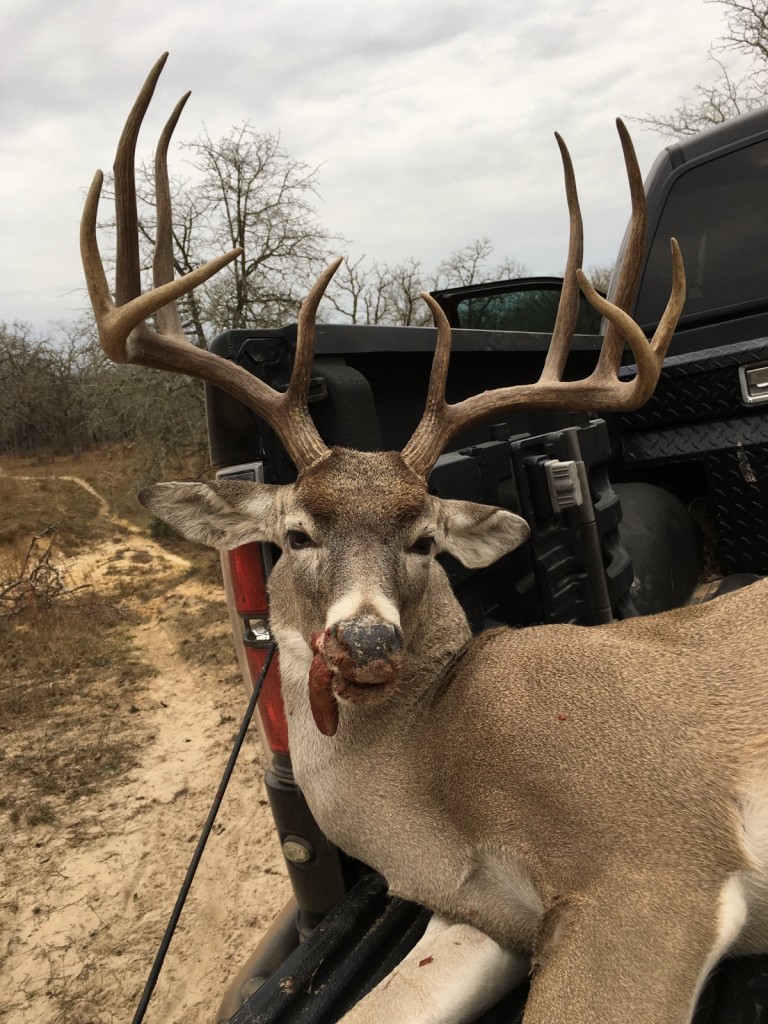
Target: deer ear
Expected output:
[478,534]
[224,514]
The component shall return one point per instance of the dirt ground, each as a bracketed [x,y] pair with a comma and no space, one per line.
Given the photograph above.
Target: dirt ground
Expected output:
[87,887]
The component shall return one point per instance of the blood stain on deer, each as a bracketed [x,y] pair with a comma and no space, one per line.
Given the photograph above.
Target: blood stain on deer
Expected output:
[325,710]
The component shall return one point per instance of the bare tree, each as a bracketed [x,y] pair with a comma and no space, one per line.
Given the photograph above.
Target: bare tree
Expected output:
[61,394]
[406,282]
[469,265]
[247,192]
[379,293]
[41,401]
[382,293]
[748,35]
[361,293]
[600,275]
[252,194]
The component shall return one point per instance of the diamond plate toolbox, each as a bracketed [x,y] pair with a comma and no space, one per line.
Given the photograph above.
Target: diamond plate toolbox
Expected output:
[711,408]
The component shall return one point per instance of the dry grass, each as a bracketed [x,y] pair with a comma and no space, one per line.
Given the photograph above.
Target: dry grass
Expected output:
[31,506]
[69,678]
[117,472]
[66,652]
[69,674]
[211,642]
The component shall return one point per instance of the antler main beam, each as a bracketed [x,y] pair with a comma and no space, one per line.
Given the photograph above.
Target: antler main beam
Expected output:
[602,390]
[123,331]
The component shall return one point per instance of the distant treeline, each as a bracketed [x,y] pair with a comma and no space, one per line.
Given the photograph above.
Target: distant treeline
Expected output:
[64,396]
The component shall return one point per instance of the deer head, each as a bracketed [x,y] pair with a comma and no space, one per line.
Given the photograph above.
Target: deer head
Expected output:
[358,530]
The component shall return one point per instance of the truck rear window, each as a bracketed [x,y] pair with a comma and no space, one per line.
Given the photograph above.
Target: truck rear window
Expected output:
[718,211]
[533,310]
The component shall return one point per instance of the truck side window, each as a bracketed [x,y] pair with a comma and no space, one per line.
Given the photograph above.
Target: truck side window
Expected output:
[718,211]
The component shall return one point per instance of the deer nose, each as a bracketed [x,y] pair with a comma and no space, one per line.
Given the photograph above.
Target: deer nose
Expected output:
[367,641]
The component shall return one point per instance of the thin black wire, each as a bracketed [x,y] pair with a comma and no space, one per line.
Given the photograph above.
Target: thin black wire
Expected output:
[187,883]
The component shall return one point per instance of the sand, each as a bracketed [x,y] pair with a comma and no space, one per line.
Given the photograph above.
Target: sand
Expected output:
[84,901]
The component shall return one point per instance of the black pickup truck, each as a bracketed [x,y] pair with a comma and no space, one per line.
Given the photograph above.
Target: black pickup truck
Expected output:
[676,510]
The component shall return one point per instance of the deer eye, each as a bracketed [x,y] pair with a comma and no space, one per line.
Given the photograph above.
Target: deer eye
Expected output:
[299,540]
[423,546]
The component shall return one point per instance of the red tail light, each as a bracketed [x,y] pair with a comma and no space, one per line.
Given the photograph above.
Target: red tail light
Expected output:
[248,581]
[270,703]
[249,591]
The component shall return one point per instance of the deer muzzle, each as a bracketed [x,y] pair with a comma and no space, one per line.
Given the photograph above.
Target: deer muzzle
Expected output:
[366,652]
[355,661]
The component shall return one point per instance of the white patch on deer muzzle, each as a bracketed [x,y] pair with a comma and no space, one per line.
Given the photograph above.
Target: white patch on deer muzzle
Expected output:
[352,604]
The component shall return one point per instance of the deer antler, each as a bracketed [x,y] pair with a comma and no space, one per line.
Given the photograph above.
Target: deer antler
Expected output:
[127,338]
[602,390]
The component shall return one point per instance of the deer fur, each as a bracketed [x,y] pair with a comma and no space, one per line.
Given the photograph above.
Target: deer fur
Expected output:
[594,798]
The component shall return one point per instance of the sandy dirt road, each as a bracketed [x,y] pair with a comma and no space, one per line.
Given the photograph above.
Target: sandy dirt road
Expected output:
[84,900]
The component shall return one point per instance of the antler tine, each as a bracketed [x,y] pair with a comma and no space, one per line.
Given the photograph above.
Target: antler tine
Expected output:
[568,306]
[434,429]
[629,276]
[116,320]
[168,319]
[648,357]
[128,266]
[305,335]
[127,338]
[293,423]
[602,390]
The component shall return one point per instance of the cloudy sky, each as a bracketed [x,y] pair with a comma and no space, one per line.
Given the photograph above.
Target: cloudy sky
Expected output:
[431,120]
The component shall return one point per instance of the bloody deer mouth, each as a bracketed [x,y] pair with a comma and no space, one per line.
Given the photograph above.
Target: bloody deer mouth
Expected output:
[334,674]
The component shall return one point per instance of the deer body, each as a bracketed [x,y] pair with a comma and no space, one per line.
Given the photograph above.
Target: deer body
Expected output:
[518,788]
[571,793]
[596,798]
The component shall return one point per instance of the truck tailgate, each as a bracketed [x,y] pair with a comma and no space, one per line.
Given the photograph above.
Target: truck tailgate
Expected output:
[367,934]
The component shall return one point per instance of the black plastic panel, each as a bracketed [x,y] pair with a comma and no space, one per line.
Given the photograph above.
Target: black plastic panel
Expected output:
[564,564]
[395,364]
[319,883]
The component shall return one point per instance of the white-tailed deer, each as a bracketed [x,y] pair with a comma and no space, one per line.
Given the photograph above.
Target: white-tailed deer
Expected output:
[596,799]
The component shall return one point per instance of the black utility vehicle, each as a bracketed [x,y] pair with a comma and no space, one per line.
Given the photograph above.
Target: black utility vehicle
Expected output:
[676,512]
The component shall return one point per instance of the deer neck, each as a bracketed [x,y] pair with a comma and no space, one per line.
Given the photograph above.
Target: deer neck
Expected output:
[373,757]
[441,633]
